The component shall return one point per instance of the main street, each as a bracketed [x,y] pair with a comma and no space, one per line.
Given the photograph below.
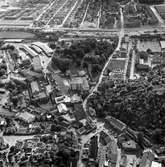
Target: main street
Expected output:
[120,35]
[56,12]
[99,125]
[45,10]
[161,21]
[132,65]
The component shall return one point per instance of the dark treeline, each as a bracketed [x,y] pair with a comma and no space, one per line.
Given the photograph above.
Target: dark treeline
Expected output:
[151,1]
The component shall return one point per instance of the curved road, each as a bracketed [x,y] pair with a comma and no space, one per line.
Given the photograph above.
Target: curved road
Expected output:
[100,126]
[121,35]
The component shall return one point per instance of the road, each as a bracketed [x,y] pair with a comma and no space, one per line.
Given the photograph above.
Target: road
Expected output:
[65,2]
[45,10]
[161,21]
[127,59]
[132,65]
[85,139]
[67,16]
[121,35]
[99,17]
[84,15]
[100,126]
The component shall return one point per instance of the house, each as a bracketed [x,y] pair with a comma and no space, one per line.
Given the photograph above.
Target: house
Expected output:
[102,156]
[31,75]
[129,145]
[79,84]
[162,45]
[36,64]
[115,123]
[62,108]
[62,84]
[21,130]
[62,99]
[25,48]
[104,138]
[76,83]
[130,23]
[142,67]
[147,158]
[128,161]
[81,73]
[39,90]
[156,164]
[112,160]
[92,111]
[25,116]
[76,98]
[112,147]
[81,131]
[157,60]
[126,38]
[44,47]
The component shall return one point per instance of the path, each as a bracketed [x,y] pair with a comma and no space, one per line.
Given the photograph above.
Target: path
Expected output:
[115,24]
[66,18]
[127,60]
[132,65]
[100,126]
[161,21]
[45,10]
[121,35]
[99,17]
[85,15]
[85,139]
[65,2]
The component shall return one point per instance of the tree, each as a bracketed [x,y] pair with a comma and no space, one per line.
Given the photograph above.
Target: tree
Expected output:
[149,51]
[2,72]
[62,64]
[52,45]
[157,136]
[151,1]
[79,53]
[53,128]
[143,55]
[96,68]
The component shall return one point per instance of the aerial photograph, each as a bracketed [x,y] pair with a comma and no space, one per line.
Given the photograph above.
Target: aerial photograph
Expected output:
[82,83]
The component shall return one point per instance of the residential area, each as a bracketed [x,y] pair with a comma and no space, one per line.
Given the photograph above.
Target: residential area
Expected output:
[82,83]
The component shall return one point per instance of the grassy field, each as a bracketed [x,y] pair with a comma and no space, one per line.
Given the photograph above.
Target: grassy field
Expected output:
[15,35]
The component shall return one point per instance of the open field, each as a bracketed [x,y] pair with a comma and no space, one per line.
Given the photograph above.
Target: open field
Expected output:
[15,35]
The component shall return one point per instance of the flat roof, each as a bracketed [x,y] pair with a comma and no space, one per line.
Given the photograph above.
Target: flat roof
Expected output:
[153,45]
[156,164]
[162,44]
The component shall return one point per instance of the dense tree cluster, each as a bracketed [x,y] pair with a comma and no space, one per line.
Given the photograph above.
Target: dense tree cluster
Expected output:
[107,18]
[139,104]
[88,54]
[151,1]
